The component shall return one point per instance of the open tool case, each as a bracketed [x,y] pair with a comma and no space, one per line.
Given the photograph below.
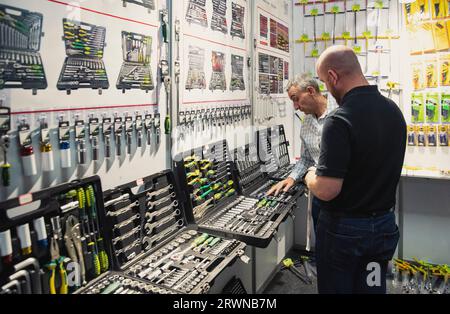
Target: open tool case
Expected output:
[136,72]
[196,12]
[273,148]
[154,248]
[58,235]
[20,61]
[255,183]
[208,178]
[83,66]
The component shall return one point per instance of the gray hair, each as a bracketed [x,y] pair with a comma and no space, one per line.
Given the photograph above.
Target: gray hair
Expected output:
[303,81]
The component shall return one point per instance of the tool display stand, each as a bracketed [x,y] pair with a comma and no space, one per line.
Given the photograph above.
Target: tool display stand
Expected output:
[83,66]
[196,12]
[20,60]
[254,183]
[149,4]
[136,72]
[54,245]
[155,249]
[208,177]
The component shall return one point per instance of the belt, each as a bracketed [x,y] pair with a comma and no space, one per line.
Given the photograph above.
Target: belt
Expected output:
[358,215]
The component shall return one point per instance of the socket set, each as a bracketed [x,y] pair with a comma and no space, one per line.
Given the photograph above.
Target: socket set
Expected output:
[196,12]
[57,247]
[218,80]
[219,16]
[149,4]
[237,73]
[83,66]
[20,61]
[136,71]
[196,78]
[237,21]
[225,214]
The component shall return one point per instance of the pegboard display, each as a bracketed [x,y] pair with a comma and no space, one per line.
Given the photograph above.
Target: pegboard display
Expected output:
[81,82]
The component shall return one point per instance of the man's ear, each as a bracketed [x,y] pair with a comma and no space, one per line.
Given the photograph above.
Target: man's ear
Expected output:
[311,91]
[334,76]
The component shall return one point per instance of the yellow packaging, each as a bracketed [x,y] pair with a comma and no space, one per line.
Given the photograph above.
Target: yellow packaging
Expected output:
[438,8]
[424,9]
[414,41]
[431,135]
[426,37]
[444,70]
[440,36]
[420,133]
[431,77]
[417,76]
[411,10]
[444,134]
[412,137]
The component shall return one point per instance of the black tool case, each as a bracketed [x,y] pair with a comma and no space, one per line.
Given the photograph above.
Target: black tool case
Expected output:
[136,72]
[55,210]
[273,148]
[151,240]
[20,61]
[255,225]
[255,183]
[83,66]
[149,4]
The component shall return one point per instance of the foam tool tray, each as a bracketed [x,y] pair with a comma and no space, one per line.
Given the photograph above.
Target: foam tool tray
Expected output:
[51,240]
[136,72]
[273,148]
[20,61]
[207,175]
[83,66]
[149,4]
[255,183]
[153,245]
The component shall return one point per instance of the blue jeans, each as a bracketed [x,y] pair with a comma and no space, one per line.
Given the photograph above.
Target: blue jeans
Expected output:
[353,253]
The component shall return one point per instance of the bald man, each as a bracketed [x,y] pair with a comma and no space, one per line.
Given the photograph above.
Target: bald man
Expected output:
[362,153]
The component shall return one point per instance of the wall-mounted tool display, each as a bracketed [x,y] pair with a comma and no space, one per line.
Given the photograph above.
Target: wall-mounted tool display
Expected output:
[271,74]
[26,148]
[20,61]
[58,247]
[218,80]
[46,146]
[196,78]
[136,72]
[129,128]
[139,126]
[196,12]
[107,129]
[219,16]
[237,73]
[80,138]
[118,133]
[5,127]
[83,66]
[149,4]
[94,136]
[237,21]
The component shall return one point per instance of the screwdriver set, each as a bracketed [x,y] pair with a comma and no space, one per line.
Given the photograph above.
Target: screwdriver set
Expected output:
[196,74]
[237,73]
[56,247]
[218,80]
[20,61]
[226,214]
[196,12]
[136,72]
[149,4]
[237,21]
[83,66]
[219,16]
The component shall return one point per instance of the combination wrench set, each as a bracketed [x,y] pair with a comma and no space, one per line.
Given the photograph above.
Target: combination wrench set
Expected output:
[237,73]
[148,4]
[20,61]
[83,66]
[56,248]
[219,16]
[196,78]
[196,12]
[136,71]
[237,21]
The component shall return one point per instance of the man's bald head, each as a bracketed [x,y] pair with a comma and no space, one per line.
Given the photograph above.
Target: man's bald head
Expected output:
[342,60]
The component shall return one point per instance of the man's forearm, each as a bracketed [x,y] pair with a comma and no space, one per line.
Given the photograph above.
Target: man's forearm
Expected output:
[324,188]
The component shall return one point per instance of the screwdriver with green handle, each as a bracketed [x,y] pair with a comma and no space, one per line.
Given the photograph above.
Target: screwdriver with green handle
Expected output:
[6,177]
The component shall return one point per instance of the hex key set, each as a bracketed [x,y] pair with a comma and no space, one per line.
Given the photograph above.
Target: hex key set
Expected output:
[20,61]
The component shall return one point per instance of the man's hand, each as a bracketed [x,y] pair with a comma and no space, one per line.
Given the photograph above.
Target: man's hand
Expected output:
[284,185]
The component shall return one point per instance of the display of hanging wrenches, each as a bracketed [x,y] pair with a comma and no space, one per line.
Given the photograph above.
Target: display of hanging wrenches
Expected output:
[129,127]
[149,124]
[138,124]
[157,127]
[80,136]
[107,128]
[94,132]
[118,133]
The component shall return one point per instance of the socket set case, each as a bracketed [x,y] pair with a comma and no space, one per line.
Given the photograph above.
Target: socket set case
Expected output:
[149,4]
[57,245]
[83,66]
[196,12]
[255,183]
[153,247]
[208,177]
[136,72]
[20,61]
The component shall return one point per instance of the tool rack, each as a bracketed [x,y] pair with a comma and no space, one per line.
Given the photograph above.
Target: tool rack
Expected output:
[20,61]
[60,235]
[155,247]
[253,221]
[149,4]
[136,72]
[83,66]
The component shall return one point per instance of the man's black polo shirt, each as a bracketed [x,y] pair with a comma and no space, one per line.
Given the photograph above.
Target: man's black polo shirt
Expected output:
[363,142]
